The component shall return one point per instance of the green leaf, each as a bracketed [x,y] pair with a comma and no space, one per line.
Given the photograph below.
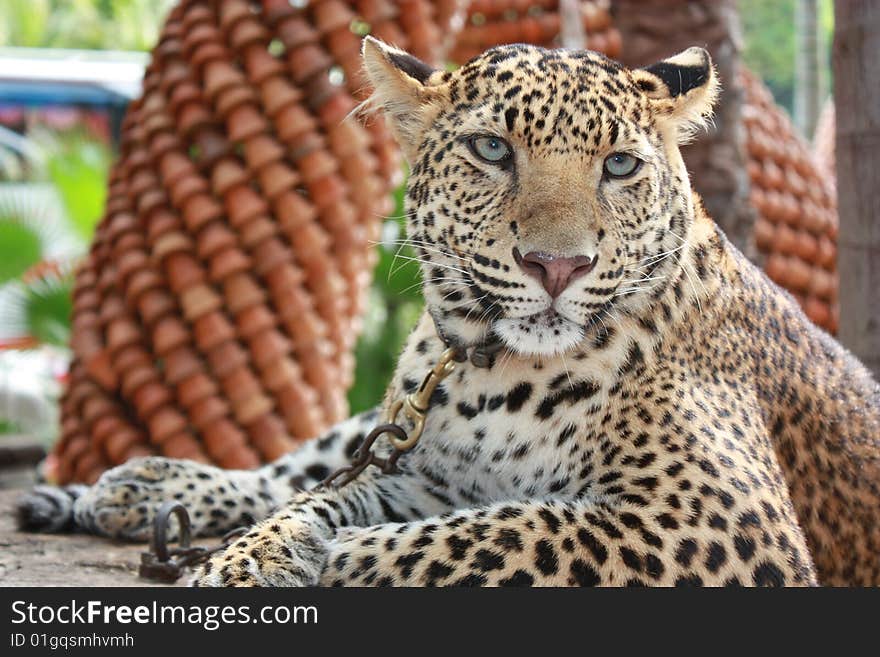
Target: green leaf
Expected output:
[48,304]
[82,24]
[8,427]
[78,168]
[770,43]
[24,23]
[20,248]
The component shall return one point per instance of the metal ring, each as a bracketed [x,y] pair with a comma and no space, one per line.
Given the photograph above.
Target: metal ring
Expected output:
[160,528]
[389,427]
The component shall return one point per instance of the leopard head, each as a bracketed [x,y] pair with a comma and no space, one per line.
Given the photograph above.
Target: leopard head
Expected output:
[546,189]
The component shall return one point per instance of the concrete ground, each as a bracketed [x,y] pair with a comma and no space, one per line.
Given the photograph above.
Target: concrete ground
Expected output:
[64,560]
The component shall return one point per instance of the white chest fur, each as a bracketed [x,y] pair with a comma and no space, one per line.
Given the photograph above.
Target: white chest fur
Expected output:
[521,429]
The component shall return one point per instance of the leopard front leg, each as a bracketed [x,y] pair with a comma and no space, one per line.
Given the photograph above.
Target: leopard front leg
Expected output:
[122,503]
[290,548]
[287,549]
[555,543]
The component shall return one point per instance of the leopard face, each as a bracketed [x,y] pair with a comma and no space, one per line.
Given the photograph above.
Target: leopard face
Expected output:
[547,193]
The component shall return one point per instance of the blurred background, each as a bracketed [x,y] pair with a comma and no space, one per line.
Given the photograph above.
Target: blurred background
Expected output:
[69,68]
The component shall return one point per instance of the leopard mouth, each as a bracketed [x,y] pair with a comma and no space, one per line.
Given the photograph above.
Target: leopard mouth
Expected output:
[550,318]
[547,316]
[544,333]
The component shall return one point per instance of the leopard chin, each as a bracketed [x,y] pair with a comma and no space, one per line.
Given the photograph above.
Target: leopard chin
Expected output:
[546,333]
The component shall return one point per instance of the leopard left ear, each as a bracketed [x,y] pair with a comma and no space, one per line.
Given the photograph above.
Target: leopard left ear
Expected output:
[683,87]
[401,89]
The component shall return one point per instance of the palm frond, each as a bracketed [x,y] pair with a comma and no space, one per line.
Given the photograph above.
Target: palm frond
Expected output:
[37,309]
[77,167]
[24,234]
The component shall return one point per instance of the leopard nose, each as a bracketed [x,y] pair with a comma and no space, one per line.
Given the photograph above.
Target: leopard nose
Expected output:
[555,273]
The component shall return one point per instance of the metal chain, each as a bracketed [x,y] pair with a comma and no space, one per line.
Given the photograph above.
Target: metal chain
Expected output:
[167,564]
[415,408]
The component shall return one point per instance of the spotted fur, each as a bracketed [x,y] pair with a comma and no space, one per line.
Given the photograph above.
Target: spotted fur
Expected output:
[671,418]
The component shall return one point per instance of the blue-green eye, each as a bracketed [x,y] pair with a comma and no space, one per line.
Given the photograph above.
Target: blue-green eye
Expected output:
[621,165]
[491,149]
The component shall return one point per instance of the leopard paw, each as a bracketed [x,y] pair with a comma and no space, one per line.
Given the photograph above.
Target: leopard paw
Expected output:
[266,556]
[123,502]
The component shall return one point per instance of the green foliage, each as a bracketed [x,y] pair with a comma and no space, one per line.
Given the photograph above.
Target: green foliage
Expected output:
[770,43]
[47,305]
[39,307]
[769,50]
[25,23]
[395,304]
[78,168]
[83,24]
[8,427]
[20,247]
[37,296]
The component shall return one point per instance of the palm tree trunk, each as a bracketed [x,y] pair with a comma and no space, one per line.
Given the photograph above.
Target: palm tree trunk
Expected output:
[808,67]
[857,98]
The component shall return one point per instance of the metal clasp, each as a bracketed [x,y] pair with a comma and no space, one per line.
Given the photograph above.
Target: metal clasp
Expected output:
[415,405]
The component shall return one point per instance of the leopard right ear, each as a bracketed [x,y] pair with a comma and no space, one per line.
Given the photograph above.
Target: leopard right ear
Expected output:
[682,89]
[401,89]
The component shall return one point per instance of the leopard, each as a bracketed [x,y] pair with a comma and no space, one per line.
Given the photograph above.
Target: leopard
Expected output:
[654,411]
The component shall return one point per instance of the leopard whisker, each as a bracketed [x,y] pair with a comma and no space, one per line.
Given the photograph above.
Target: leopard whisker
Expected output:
[475,300]
[656,258]
[457,289]
[415,242]
[428,263]
[684,268]
[404,243]
[567,372]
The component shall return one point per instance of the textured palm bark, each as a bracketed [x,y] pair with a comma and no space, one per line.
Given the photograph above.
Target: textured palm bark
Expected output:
[857,97]
[655,29]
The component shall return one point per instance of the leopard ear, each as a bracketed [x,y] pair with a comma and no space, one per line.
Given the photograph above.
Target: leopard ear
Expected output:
[683,88]
[401,89]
